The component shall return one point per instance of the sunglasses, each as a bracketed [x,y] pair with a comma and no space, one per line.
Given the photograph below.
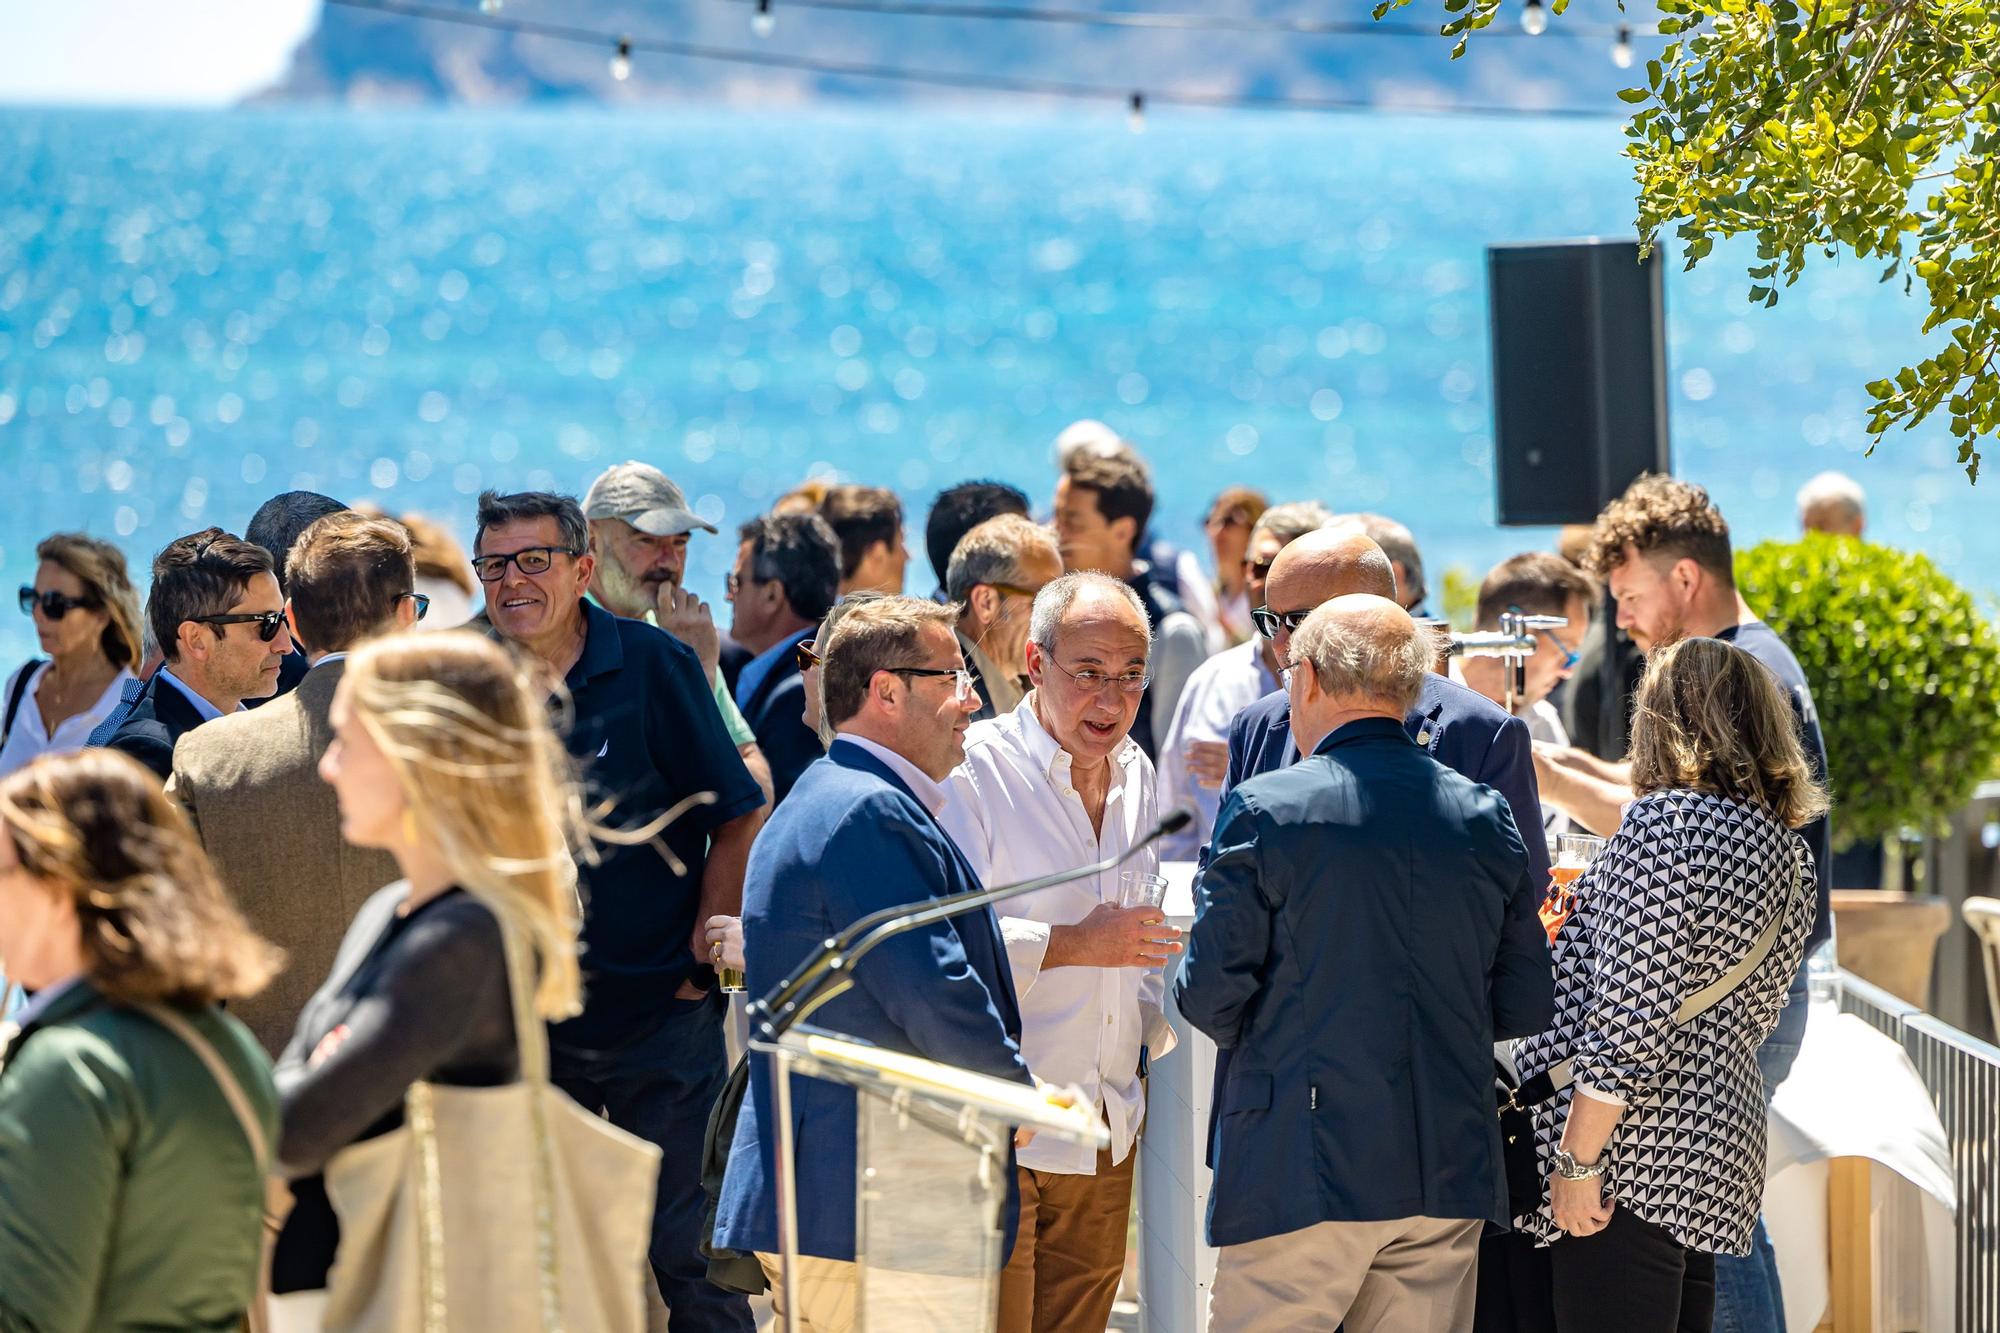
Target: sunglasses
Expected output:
[1268,621]
[808,659]
[530,560]
[54,605]
[422,599]
[268,623]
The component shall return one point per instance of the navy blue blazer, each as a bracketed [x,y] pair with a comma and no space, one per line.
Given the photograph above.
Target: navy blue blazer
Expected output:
[772,695]
[850,841]
[1364,931]
[159,718]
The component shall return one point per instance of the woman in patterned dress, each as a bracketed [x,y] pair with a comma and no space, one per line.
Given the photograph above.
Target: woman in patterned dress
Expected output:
[1654,1152]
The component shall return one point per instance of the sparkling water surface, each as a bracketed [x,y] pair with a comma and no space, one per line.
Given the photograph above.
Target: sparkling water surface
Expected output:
[199,309]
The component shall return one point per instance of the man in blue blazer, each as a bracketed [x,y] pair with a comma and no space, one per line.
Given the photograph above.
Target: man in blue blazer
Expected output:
[786,578]
[1365,930]
[860,833]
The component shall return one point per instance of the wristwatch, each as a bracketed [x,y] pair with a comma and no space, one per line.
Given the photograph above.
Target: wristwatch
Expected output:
[1570,1169]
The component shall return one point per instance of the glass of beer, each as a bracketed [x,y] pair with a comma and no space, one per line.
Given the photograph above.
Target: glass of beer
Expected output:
[1573,854]
[729,980]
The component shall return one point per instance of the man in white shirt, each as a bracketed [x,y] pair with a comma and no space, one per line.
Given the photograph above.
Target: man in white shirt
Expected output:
[1194,758]
[1059,783]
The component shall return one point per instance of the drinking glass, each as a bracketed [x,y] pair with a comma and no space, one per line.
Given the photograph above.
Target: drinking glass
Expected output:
[1136,888]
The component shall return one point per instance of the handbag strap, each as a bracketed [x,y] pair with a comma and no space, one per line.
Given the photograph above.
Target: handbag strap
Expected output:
[232,1091]
[22,679]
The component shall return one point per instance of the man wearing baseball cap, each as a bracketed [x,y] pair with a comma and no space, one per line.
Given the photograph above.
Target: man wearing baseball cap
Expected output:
[639,527]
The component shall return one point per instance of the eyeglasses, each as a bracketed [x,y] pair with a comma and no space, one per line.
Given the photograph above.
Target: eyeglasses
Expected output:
[963,690]
[54,605]
[1570,655]
[1235,518]
[268,623]
[1095,681]
[422,600]
[1016,589]
[808,659]
[1258,569]
[1268,621]
[529,560]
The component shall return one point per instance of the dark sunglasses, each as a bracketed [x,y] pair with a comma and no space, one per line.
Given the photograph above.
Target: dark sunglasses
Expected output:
[268,623]
[54,605]
[808,659]
[1268,621]
[422,600]
[531,560]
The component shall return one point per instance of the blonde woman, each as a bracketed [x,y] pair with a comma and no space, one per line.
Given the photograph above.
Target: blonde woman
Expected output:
[135,1116]
[1655,1151]
[87,621]
[442,756]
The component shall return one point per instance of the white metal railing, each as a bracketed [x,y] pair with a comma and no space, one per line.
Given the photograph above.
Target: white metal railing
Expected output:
[1962,1074]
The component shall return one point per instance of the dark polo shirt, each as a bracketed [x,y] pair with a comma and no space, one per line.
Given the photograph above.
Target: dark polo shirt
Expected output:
[643,729]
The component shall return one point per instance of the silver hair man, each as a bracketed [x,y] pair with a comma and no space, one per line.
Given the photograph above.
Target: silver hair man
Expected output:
[1291,521]
[1365,648]
[1833,502]
[1054,600]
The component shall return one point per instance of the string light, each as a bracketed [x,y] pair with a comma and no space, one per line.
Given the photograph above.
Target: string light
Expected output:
[621,63]
[1621,50]
[1135,113]
[1534,18]
[490,6]
[763,21]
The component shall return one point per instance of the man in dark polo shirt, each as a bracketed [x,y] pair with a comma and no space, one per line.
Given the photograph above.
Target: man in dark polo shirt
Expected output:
[640,721]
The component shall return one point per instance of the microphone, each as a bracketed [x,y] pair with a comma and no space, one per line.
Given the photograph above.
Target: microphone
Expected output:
[788,1003]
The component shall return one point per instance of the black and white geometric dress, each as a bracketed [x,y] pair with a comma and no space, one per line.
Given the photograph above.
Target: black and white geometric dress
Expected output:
[1675,899]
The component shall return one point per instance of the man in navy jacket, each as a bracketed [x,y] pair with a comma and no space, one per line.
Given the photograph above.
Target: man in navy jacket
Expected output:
[860,833]
[1365,931]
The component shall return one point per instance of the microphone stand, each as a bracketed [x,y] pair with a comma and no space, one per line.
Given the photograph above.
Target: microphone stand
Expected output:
[830,971]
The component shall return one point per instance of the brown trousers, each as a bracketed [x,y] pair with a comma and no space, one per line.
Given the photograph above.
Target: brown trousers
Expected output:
[1070,1250]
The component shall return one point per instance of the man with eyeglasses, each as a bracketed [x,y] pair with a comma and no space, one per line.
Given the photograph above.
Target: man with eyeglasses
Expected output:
[219,616]
[250,782]
[640,721]
[860,833]
[992,577]
[1194,757]
[1057,783]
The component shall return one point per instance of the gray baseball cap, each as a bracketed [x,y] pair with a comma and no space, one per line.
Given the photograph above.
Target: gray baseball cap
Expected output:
[642,495]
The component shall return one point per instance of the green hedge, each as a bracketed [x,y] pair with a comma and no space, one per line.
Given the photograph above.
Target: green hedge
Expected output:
[1905,670]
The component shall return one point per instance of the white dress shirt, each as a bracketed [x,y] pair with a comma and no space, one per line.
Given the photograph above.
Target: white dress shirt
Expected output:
[1219,689]
[30,737]
[1015,814]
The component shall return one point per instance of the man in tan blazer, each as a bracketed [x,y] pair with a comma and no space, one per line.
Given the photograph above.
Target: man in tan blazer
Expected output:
[250,781]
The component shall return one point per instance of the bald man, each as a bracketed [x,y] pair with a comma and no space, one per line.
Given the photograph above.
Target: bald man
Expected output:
[1365,931]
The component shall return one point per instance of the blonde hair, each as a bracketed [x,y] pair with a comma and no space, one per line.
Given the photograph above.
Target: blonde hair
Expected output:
[1709,717]
[487,778]
[100,568]
[96,827]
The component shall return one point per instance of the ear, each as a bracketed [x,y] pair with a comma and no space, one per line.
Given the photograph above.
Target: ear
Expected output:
[1037,664]
[985,602]
[195,641]
[1126,530]
[292,619]
[406,613]
[1687,575]
[586,567]
[885,688]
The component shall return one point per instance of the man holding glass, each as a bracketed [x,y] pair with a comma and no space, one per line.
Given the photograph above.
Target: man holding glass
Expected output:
[1058,783]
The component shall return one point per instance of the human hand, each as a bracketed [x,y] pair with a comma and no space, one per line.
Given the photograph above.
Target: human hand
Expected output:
[1208,762]
[1114,936]
[721,941]
[689,619]
[1054,1095]
[1579,1206]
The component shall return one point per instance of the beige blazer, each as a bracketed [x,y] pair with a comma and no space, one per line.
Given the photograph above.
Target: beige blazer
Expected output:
[250,782]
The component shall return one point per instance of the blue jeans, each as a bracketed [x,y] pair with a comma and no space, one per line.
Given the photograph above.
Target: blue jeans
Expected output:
[1747,1296]
[661,1088]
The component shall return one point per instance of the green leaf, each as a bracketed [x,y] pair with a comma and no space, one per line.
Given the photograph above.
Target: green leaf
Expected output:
[1634,94]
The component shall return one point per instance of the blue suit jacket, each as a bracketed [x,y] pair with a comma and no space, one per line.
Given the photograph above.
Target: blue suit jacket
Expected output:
[1365,930]
[159,717]
[852,840]
[1459,727]
[772,695]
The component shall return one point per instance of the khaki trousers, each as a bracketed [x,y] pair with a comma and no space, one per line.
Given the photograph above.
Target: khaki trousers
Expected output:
[1069,1251]
[828,1291]
[1414,1275]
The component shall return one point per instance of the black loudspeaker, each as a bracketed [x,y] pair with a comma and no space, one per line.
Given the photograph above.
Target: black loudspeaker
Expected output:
[1579,376]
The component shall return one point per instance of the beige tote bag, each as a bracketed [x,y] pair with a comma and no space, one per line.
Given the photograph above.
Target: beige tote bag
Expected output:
[494,1210]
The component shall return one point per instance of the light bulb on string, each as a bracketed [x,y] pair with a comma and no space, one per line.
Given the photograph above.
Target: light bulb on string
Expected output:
[490,6]
[1534,18]
[1135,113]
[621,63]
[1621,50]
[763,21]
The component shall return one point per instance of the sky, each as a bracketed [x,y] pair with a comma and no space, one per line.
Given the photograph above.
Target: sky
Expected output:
[146,52]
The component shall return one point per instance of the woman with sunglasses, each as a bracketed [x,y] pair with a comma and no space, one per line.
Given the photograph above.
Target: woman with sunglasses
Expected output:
[87,623]
[1230,520]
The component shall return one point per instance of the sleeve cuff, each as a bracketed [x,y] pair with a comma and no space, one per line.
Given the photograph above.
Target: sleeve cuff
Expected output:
[1597,1094]
[1027,944]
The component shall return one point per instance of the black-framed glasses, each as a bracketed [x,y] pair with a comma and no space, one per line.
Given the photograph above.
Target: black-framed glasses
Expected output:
[1268,621]
[1131,682]
[54,605]
[422,600]
[963,689]
[530,560]
[808,659]
[268,623]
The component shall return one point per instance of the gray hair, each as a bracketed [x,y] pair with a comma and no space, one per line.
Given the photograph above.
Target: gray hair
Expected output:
[1052,603]
[1347,661]
[1400,546]
[991,553]
[1291,521]
[1835,491]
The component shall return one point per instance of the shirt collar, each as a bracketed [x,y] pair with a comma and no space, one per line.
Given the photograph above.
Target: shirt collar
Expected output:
[45,999]
[931,795]
[603,651]
[1048,755]
[209,712]
[329,658]
[1004,691]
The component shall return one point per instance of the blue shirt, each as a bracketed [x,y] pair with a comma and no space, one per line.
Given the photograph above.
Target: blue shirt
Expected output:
[642,727]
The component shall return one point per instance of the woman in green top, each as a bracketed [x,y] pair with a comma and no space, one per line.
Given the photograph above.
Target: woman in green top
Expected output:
[135,1116]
